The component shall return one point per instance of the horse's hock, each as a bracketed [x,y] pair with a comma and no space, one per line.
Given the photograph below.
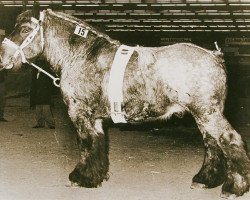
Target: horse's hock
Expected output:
[180,78]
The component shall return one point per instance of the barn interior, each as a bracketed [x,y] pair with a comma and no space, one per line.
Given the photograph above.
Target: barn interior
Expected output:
[149,162]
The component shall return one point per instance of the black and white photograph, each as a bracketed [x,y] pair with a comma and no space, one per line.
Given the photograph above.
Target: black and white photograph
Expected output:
[125,100]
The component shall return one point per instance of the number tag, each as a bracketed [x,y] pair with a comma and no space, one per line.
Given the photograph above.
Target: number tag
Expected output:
[83,32]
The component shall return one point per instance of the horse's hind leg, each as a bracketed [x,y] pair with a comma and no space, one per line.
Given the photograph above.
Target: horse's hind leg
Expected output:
[229,143]
[94,147]
[212,172]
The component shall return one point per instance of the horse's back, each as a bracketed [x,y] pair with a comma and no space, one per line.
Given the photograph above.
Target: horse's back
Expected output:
[182,53]
[188,73]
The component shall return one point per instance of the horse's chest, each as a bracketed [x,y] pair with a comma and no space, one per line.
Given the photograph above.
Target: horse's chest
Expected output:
[84,92]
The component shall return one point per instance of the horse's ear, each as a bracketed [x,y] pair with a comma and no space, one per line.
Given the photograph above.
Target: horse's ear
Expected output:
[36,10]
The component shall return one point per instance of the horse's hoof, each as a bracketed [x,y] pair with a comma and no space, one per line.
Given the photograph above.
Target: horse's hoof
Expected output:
[228,195]
[196,185]
[235,185]
[77,178]
[83,177]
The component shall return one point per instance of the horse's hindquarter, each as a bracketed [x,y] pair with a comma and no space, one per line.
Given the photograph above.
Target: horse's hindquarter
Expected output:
[182,74]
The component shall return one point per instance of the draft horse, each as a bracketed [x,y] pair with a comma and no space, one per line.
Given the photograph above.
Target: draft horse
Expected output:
[158,82]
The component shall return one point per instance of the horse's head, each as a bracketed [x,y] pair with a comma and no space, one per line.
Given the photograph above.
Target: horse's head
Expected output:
[24,43]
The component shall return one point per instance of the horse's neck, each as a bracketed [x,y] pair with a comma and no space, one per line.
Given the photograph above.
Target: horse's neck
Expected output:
[62,54]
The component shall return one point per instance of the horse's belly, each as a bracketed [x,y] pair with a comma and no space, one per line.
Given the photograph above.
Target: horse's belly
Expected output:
[144,98]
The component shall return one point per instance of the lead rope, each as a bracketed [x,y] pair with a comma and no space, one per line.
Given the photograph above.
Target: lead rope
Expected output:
[55,80]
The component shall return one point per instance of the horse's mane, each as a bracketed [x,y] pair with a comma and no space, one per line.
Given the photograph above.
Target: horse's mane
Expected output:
[76,21]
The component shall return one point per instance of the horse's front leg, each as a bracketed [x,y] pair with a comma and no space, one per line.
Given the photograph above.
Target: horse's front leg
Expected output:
[94,147]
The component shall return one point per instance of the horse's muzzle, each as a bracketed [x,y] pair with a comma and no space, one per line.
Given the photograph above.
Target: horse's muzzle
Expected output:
[8,65]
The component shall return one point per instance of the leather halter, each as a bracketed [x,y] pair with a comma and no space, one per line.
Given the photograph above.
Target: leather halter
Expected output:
[27,41]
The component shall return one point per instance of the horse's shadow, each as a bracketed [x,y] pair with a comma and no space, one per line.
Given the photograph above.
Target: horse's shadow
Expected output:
[182,132]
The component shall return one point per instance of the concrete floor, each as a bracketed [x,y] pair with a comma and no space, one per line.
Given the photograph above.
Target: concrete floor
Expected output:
[145,165]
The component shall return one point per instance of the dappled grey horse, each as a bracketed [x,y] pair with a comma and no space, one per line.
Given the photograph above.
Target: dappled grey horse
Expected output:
[158,82]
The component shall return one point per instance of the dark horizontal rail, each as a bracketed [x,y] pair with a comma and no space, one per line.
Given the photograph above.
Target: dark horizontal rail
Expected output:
[148,6]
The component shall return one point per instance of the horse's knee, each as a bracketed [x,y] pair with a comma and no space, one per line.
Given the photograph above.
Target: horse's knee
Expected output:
[85,143]
[230,137]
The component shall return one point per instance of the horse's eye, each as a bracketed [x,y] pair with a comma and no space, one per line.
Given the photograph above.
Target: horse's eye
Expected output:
[25,30]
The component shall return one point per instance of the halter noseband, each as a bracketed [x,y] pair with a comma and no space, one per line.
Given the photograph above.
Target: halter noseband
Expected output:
[27,41]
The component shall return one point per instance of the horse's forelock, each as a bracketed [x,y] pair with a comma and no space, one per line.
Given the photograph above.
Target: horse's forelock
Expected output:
[24,17]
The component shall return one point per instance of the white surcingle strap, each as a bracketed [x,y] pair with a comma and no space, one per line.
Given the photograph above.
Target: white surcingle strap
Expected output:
[115,85]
